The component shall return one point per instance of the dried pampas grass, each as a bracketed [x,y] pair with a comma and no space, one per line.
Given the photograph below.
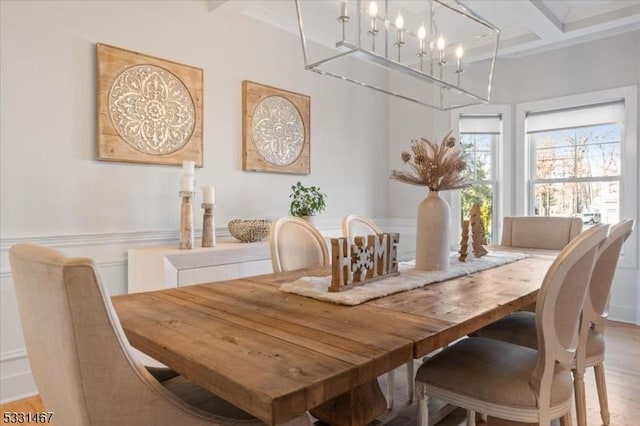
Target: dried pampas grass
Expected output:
[436,166]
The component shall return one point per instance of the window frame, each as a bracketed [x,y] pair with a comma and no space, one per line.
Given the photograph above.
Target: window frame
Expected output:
[500,168]
[525,160]
[533,179]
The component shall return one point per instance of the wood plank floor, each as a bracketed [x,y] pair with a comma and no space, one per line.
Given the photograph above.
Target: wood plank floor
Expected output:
[622,367]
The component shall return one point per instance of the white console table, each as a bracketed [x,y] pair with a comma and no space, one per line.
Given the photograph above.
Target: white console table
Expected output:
[155,268]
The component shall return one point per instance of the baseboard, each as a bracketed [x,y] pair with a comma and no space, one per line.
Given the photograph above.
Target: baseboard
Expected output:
[16,381]
[18,387]
[623,314]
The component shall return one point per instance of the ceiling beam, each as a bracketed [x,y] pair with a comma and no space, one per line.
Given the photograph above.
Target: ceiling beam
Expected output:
[629,14]
[548,13]
[542,20]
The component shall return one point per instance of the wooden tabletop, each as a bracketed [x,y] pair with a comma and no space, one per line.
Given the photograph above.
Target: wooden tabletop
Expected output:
[276,354]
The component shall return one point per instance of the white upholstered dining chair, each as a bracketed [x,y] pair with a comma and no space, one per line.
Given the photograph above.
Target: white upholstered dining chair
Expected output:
[539,232]
[296,244]
[510,381]
[520,327]
[353,226]
[82,362]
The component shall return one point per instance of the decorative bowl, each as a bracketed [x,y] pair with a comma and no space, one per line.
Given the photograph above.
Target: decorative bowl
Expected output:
[249,230]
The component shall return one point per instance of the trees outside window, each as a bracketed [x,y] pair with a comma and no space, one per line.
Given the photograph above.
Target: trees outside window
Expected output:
[576,164]
[479,136]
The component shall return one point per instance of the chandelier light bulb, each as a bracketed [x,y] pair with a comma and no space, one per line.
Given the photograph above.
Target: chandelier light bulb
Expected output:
[442,60]
[422,33]
[400,33]
[343,9]
[459,53]
[373,27]
[373,9]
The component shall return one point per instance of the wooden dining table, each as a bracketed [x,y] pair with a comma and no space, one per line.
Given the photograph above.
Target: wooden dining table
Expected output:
[276,354]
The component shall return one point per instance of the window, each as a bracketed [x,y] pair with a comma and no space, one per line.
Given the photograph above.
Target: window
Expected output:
[479,137]
[576,161]
[578,155]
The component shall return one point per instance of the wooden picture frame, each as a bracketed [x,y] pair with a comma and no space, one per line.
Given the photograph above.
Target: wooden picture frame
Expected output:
[276,130]
[149,110]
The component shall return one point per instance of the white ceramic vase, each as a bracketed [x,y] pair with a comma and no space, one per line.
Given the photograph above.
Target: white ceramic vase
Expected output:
[432,239]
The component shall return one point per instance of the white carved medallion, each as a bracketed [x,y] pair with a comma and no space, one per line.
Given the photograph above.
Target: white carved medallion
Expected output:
[278,130]
[151,109]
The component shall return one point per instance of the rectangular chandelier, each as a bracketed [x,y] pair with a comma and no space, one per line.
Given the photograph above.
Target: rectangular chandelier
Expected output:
[437,53]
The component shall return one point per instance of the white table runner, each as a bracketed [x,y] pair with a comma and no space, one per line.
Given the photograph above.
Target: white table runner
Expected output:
[409,279]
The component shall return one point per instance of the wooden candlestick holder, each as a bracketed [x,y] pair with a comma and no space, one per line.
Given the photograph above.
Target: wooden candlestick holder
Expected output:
[208,226]
[186,221]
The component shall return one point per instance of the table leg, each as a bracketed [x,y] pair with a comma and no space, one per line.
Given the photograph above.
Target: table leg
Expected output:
[358,407]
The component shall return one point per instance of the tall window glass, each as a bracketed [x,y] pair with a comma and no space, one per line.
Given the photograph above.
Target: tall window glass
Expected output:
[479,137]
[576,158]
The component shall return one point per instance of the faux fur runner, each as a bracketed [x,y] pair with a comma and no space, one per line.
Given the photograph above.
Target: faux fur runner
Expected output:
[409,279]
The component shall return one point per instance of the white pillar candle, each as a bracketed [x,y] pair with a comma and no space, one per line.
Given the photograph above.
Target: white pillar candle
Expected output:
[188,167]
[186,183]
[209,194]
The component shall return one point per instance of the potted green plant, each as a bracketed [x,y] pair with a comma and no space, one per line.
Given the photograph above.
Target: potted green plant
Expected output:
[306,201]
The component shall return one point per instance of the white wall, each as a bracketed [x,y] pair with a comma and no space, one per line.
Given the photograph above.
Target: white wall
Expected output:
[54,191]
[603,64]
[48,105]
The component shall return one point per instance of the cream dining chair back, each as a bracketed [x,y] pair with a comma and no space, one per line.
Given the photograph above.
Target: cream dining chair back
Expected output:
[354,225]
[539,232]
[597,303]
[360,226]
[296,244]
[81,360]
[514,382]
[594,318]
[520,327]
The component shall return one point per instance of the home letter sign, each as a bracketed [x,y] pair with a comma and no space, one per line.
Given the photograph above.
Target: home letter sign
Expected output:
[364,261]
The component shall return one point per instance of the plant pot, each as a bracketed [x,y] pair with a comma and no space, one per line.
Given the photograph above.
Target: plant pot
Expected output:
[310,219]
[432,239]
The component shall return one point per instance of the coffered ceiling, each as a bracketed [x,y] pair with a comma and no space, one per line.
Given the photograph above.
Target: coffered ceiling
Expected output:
[526,26]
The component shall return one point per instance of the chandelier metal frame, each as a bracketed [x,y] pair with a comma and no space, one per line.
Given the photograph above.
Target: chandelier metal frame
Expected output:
[386,58]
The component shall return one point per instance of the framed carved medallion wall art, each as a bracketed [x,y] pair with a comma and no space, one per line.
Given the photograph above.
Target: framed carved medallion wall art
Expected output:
[275,130]
[149,109]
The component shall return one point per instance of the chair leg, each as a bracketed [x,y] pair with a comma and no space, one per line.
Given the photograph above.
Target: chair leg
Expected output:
[601,385]
[581,408]
[471,418]
[423,404]
[390,379]
[565,420]
[410,380]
